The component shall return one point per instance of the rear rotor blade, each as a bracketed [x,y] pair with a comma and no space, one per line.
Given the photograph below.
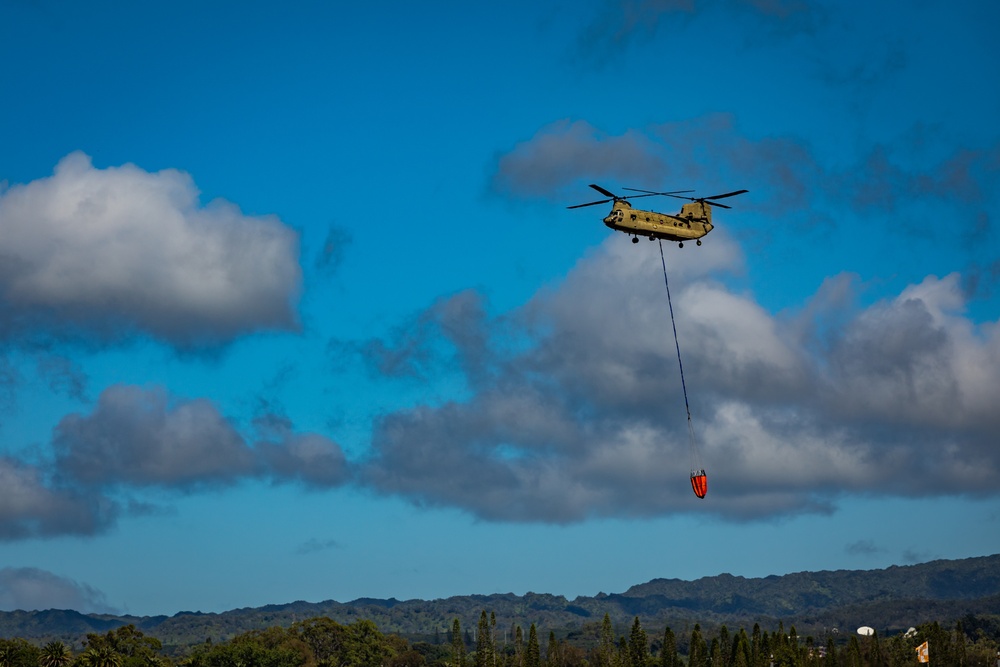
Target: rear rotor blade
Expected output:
[714,203]
[728,194]
[593,203]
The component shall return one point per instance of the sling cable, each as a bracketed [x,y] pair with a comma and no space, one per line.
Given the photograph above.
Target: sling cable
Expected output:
[699,480]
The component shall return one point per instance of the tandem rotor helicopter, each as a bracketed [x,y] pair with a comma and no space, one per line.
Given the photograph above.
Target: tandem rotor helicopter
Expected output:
[693,221]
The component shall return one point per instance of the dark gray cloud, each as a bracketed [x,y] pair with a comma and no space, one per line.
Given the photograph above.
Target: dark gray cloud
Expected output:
[29,588]
[586,417]
[564,151]
[96,254]
[31,506]
[137,438]
[309,458]
[144,437]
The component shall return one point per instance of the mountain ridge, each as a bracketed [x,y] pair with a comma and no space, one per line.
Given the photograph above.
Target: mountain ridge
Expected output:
[889,599]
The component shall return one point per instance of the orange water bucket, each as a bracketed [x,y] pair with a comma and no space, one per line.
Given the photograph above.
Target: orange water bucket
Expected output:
[699,483]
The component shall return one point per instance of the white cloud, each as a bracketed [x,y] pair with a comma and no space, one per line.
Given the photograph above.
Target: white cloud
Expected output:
[100,253]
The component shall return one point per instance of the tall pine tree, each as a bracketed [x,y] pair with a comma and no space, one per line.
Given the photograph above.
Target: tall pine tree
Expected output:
[698,649]
[668,654]
[493,639]
[483,643]
[552,652]
[533,654]
[457,645]
[606,647]
[638,645]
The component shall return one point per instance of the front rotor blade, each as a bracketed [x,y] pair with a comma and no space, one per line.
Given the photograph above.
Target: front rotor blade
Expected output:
[672,192]
[593,203]
[604,192]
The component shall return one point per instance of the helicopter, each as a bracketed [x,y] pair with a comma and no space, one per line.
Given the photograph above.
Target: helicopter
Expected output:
[693,221]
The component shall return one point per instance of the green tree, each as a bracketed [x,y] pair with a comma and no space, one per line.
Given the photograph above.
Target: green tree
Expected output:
[757,652]
[697,649]
[101,656]
[621,655]
[324,637]
[484,644]
[493,639]
[457,645]
[129,644]
[831,654]
[740,653]
[272,647]
[959,648]
[854,652]
[18,653]
[668,654]
[407,658]
[715,651]
[638,645]
[725,648]
[553,652]
[606,646]
[532,654]
[365,646]
[55,654]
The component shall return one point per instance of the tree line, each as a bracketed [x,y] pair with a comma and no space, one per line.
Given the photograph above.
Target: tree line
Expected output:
[323,642]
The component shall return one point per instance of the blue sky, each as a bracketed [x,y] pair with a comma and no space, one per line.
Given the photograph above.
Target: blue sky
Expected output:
[292,307]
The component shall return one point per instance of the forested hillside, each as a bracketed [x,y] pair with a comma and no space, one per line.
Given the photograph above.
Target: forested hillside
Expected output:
[890,600]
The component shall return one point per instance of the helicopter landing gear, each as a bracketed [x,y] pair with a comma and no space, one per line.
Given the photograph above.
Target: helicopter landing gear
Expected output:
[698,241]
[635,239]
[652,238]
[680,245]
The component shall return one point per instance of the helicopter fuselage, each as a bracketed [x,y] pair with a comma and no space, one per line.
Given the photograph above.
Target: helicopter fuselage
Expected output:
[693,222]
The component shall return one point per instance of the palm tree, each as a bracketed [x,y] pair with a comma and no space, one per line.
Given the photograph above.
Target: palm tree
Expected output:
[102,656]
[55,654]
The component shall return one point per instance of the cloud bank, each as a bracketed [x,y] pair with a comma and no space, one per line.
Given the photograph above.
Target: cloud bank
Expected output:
[588,420]
[96,254]
[139,438]
[32,506]
[29,589]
